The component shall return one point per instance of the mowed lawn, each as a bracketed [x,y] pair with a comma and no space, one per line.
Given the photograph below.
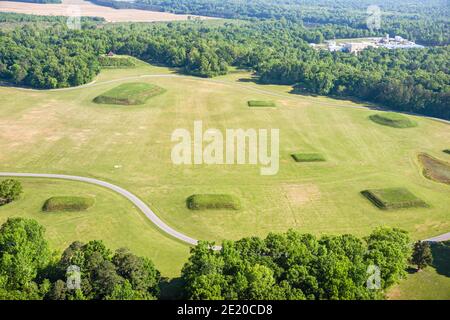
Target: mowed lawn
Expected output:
[111,219]
[65,132]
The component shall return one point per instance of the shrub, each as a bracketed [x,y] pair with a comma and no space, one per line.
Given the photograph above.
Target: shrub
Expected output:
[392,119]
[68,204]
[10,190]
[308,157]
[212,201]
[393,198]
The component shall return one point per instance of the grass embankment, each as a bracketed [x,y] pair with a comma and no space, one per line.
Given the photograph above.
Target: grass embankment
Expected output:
[393,198]
[261,104]
[392,119]
[308,157]
[435,169]
[135,93]
[67,203]
[117,62]
[213,201]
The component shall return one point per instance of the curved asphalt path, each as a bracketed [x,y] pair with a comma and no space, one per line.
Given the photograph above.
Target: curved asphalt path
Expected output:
[142,206]
[131,197]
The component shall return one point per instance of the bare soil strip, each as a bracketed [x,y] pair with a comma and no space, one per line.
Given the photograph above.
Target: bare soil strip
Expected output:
[88,9]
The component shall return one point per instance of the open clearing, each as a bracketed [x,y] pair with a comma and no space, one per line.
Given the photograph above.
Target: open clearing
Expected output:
[88,9]
[63,131]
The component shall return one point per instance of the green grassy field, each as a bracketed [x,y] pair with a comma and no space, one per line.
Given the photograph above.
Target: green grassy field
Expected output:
[261,104]
[63,131]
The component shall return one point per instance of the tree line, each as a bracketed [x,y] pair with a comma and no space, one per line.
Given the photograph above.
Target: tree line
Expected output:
[282,266]
[52,56]
[290,266]
[422,21]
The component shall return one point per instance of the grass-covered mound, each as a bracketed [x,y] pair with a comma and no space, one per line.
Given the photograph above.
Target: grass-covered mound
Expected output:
[68,204]
[117,62]
[261,104]
[393,198]
[130,94]
[213,201]
[392,119]
[435,169]
[308,157]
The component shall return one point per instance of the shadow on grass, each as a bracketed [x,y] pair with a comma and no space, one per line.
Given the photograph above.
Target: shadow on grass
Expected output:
[441,257]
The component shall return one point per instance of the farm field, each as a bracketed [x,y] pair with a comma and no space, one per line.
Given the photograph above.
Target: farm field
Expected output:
[63,131]
[89,9]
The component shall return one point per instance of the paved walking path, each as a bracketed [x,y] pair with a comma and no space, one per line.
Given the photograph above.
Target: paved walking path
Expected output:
[134,199]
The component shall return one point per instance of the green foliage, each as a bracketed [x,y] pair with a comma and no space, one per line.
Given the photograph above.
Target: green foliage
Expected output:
[294,266]
[422,255]
[23,253]
[308,157]
[446,151]
[278,51]
[66,203]
[393,198]
[393,120]
[390,250]
[130,94]
[106,276]
[257,103]
[212,201]
[10,190]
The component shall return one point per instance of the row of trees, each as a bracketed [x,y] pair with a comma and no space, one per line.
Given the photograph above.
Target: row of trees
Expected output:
[422,21]
[281,266]
[415,80]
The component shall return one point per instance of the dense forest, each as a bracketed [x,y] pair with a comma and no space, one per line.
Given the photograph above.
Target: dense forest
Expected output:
[49,55]
[423,21]
[282,266]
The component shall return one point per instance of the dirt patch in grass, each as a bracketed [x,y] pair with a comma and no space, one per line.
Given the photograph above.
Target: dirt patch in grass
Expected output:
[392,119]
[212,201]
[90,10]
[435,169]
[308,157]
[300,194]
[393,198]
[66,203]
